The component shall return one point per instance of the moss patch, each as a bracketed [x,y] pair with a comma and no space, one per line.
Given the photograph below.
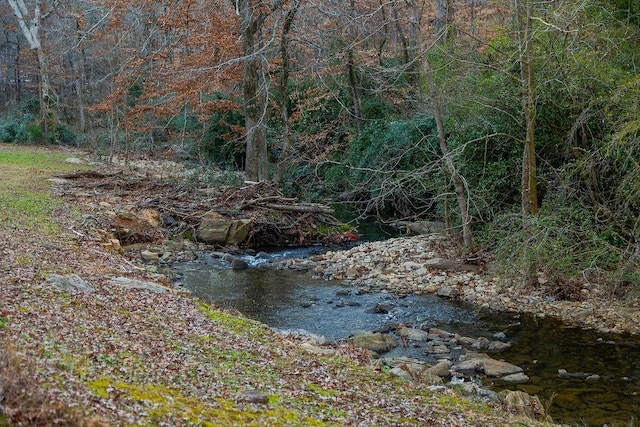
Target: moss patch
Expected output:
[163,403]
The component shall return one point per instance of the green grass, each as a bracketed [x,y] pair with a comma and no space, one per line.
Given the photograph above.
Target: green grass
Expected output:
[26,200]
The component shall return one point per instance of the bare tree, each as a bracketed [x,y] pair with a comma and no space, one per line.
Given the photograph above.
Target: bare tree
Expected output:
[30,23]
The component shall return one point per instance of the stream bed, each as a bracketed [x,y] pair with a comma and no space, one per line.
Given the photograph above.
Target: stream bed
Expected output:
[292,300]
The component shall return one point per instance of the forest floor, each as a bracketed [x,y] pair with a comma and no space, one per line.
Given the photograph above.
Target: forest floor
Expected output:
[105,354]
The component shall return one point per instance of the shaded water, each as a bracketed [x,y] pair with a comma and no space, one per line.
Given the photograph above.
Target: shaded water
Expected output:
[285,299]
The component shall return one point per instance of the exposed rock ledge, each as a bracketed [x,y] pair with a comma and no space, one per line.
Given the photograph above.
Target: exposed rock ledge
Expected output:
[422,264]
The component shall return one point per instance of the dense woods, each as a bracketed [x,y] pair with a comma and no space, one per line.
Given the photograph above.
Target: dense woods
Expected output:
[515,122]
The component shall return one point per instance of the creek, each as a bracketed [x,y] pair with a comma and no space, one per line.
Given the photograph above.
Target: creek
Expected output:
[292,300]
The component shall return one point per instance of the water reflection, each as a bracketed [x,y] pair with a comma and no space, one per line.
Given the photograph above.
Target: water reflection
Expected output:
[289,300]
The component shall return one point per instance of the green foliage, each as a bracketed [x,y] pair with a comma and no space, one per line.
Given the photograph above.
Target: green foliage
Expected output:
[391,165]
[135,91]
[65,136]
[222,142]
[562,241]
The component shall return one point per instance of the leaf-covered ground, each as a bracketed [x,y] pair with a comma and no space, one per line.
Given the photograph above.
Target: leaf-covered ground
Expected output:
[123,357]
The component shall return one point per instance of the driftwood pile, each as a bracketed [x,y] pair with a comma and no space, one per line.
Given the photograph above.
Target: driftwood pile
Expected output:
[277,220]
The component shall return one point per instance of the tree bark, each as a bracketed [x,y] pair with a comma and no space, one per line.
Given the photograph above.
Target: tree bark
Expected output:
[353,78]
[253,87]
[450,167]
[284,92]
[31,31]
[529,170]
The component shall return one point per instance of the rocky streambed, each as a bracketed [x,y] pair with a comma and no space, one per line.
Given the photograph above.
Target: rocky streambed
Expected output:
[485,336]
[427,264]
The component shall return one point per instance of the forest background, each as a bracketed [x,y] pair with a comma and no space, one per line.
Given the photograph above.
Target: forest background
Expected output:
[516,122]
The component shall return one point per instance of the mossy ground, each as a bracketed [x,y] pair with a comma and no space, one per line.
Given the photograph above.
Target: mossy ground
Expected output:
[117,357]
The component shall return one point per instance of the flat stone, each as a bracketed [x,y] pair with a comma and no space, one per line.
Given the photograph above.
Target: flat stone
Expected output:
[149,255]
[400,373]
[499,368]
[516,378]
[447,292]
[498,346]
[470,366]
[314,349]
[127,283]
[413,334]
[72,282]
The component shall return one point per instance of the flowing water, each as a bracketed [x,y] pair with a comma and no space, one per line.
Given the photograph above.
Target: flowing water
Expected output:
[286,299]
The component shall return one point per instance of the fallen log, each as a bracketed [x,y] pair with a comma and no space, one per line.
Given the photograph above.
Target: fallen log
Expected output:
[300,207]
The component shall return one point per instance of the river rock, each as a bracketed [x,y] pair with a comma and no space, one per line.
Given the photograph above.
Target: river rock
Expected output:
[374,341]
[447,292]
[523,404]
[413,334]
[239,264]
[441,369]
[499,368]
[516,378]
[498,346]
[314,349]
[467,367]
[149,256]
[401,373]
[440,333]
[72,282]
[380,308]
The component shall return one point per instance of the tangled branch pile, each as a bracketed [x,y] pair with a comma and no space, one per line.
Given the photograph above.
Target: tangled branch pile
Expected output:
[180,207]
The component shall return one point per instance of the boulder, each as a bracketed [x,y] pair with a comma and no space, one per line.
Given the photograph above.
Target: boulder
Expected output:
[239,231]
[137,226]
[215,228]
[374,341]
[441,369]
[523,404]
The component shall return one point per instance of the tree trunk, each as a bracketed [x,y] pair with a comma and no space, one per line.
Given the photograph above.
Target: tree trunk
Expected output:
[284,92]
[353,78]
[443,19]
[254,106]
[30,28]
[450,167]
[529,175]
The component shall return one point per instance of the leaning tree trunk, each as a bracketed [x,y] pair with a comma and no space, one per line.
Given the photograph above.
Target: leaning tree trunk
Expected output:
[450,167]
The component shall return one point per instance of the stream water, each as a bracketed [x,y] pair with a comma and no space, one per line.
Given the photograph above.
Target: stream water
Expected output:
[286,299]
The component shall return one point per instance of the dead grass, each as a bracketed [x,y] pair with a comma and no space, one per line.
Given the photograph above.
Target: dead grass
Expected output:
[23,402]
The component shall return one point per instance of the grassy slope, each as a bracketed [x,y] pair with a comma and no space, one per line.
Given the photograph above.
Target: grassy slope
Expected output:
[127,358]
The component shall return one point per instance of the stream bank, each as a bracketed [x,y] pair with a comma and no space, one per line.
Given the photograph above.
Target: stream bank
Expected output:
[584,377]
